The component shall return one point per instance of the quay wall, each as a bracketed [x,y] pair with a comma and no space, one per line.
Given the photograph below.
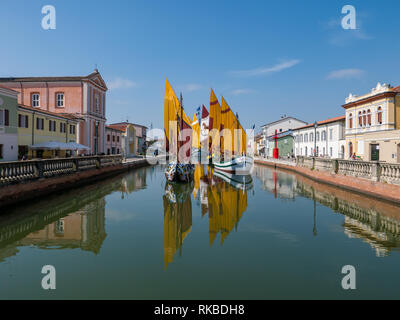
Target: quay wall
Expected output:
[368,178]
[33,188]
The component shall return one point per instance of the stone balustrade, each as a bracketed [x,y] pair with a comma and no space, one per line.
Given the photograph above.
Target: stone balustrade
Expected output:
[375,171]
[21,171]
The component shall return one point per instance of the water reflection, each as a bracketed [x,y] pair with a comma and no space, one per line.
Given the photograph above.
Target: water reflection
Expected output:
[373,221]
[222,196]
[73,220]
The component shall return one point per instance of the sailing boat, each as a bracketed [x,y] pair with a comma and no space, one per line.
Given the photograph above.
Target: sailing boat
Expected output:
[228,139]
[177,126]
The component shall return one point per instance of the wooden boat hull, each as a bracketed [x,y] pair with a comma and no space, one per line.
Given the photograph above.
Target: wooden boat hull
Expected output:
[242,182]
[179,172]
[239,165]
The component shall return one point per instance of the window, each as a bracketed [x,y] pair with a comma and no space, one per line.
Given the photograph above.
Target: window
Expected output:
[118,140]
[4,118]
[108,138]
[23,121]
[39,123]
[323,136]
[113,138]
[369,117]
[72,129]
[52,125]
[331,134]
[60,100]
[380,115]
[306,137]
[62,127]
[35,100]
[364,118]
[1,151]
[96,103]
[331,152]
[317,136]
[360,119]
[311,137]
[351,121]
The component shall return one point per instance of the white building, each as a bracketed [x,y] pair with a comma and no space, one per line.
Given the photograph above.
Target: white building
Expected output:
[323,139]
[282,125]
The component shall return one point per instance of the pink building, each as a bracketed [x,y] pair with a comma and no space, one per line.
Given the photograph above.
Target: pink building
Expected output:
[83,96]
[113,140]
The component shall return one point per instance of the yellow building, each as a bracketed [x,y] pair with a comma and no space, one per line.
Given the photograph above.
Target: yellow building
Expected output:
[373,124]
[37,126]
[129,146]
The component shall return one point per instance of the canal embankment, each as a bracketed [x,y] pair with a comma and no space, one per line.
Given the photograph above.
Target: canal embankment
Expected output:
[27,180]
[378,180]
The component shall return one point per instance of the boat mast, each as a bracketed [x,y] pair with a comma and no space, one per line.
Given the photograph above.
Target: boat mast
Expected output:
[181,124]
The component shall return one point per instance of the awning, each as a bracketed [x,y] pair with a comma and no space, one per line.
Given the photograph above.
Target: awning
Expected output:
[77,146]
[51,145]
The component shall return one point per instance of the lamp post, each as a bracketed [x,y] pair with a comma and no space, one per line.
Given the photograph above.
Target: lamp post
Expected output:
[315,138]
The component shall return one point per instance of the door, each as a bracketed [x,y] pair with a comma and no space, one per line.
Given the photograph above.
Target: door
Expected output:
[374,152]
[350,149]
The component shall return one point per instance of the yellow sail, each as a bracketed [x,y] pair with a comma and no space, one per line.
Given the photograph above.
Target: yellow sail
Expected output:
[195,133]
[228,125]
[215,123]
[173,124]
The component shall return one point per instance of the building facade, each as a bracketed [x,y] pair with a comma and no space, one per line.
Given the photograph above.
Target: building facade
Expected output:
[37,126]
[284,143]
[128,138]
[113,140]
[323,139]
[82,96]
[373,125]
[8,124]
[141,137]
[280,126]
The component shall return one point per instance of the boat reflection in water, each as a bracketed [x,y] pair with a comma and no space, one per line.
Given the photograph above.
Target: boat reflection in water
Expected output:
[177,218]
[224,198]
[370,220]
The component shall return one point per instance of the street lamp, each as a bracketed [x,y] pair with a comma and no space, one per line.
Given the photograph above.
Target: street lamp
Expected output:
[315,138]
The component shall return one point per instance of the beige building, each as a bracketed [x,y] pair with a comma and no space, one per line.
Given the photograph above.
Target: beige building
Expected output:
[373,125]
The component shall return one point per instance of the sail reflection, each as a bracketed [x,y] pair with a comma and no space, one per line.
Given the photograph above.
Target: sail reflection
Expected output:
[373,221]
[223,199]
[177,218]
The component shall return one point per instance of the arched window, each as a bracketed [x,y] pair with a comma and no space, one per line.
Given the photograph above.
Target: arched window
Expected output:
[359,119]
[351,121]
[369,117]
[364,118]
[311,137]
[323,136]
[380,115]
[306,137]
[301,138]
[317,136]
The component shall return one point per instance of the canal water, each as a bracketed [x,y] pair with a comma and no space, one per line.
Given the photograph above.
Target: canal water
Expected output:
[134,237]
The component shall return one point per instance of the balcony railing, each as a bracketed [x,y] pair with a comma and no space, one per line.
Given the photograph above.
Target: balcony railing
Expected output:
[23,171]
[371,170]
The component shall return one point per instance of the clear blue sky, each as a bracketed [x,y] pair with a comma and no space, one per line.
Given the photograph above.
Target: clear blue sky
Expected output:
[267,58]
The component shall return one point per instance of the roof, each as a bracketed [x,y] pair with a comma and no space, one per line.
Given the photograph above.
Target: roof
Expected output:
[320,123]
[281,134]
[281,120]
[7,88]
[126,124]
[60,115]
[89,77]
[114,128]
